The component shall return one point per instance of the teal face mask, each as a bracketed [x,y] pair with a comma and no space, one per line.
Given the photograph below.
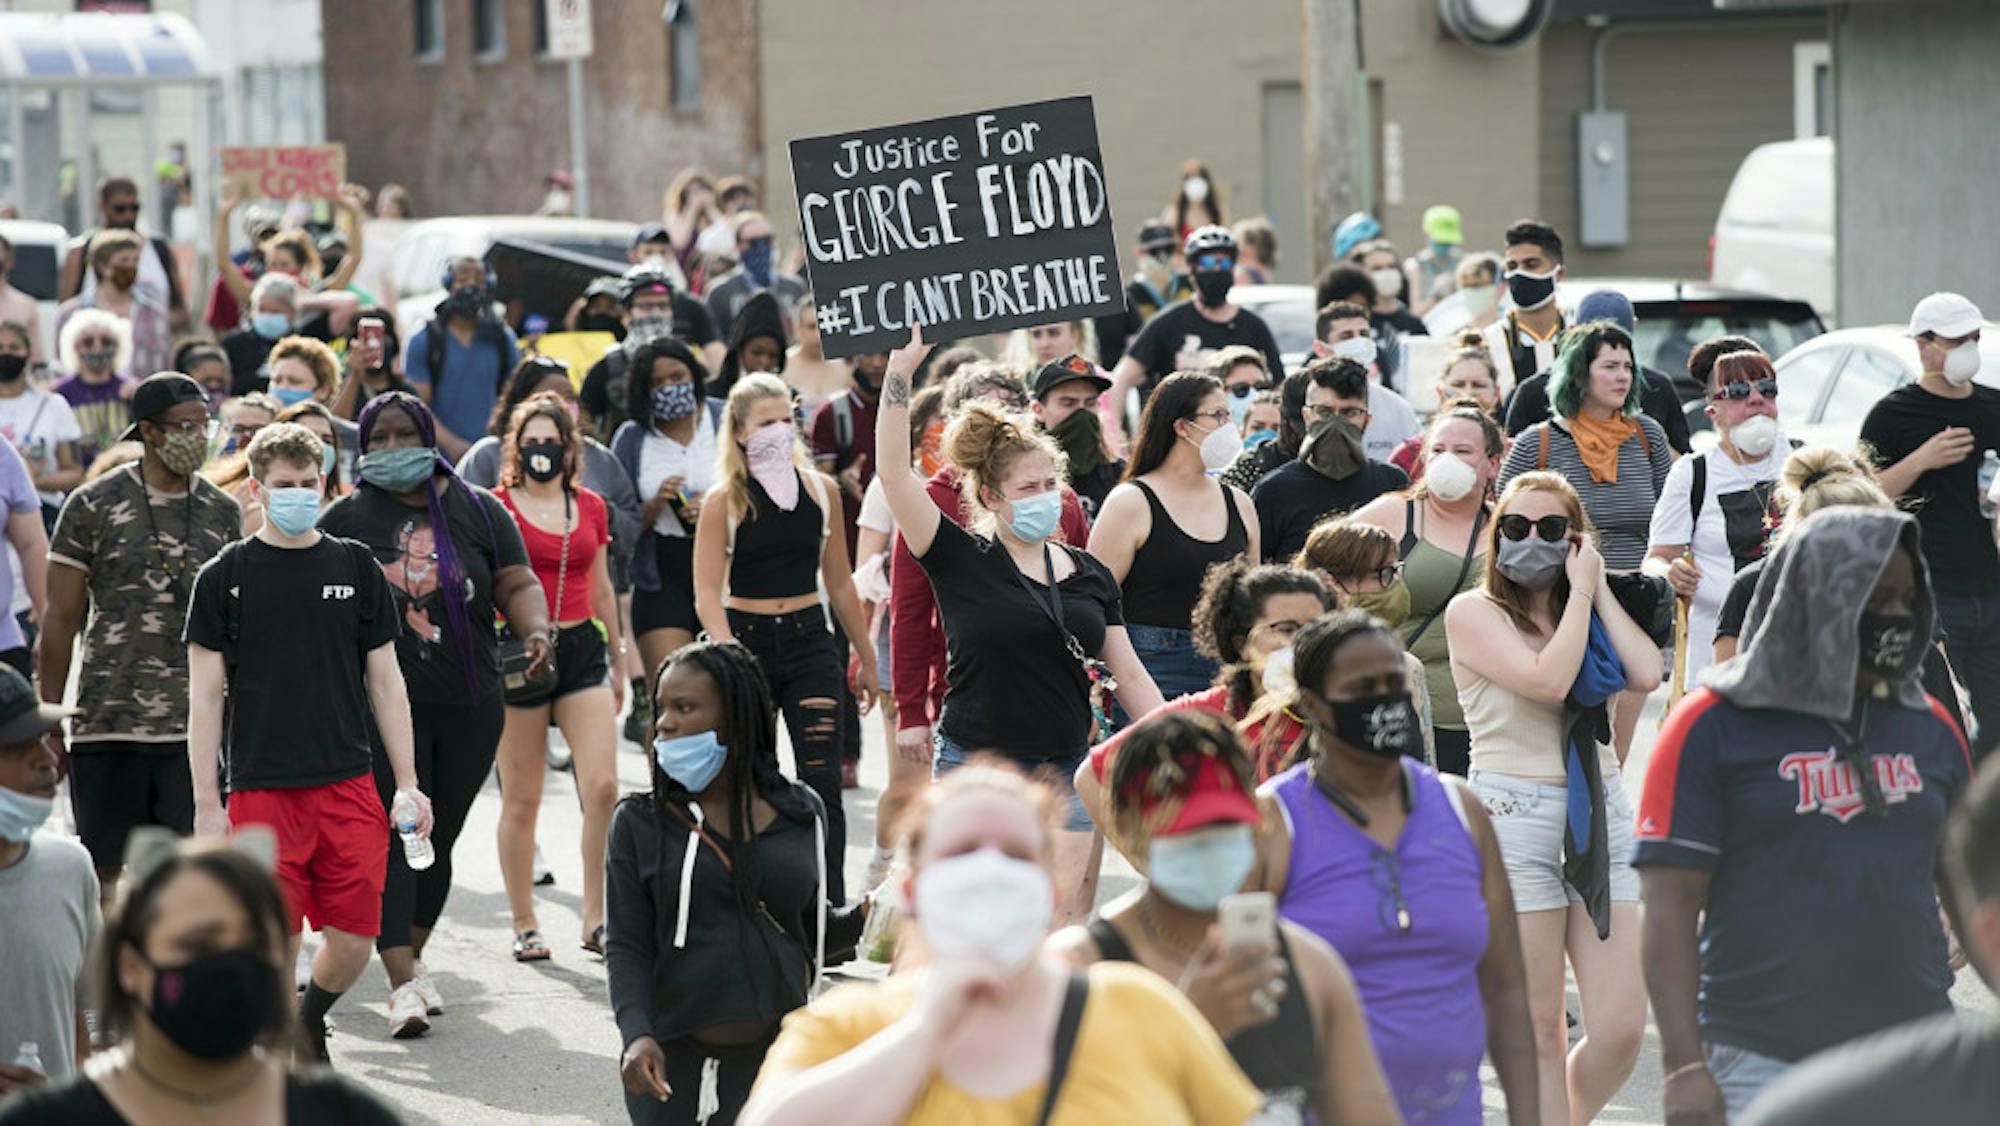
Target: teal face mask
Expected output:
[399,471]
[290,396]
[1197,869]
[326,458]
[1037,517]
[21,814]
[691,760]
[293,511]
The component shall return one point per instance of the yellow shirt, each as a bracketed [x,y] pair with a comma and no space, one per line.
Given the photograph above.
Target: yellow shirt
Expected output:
[1143,1054]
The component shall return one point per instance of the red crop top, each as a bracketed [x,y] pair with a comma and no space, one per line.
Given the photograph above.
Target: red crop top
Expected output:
[592,532]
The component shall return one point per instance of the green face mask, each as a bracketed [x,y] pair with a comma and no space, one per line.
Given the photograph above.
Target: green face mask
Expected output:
[1081,436]
[1391,603]
[399,471]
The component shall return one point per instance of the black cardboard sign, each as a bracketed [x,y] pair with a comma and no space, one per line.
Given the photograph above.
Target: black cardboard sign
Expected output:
[968,224]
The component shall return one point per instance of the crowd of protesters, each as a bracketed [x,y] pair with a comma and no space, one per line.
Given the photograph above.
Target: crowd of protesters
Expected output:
[1350,681]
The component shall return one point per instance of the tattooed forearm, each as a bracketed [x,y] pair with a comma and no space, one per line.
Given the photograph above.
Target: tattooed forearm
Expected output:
[896,390]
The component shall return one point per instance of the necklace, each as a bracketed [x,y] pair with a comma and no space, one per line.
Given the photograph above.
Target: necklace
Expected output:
[200,1099]
[176,569]
[1186,951]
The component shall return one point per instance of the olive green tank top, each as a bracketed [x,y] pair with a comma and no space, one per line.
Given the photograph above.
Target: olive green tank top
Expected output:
[1431,572]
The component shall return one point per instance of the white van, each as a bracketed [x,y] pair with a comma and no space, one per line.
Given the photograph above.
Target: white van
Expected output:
[1775,233]
[38,255]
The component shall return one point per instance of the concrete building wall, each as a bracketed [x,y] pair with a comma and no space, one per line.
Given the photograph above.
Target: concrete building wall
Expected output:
[470,135]
[1695,102]
[1466,119]
[1172,79]
[1917,173]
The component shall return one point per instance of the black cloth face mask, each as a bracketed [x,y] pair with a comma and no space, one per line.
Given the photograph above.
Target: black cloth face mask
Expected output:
[214,1007]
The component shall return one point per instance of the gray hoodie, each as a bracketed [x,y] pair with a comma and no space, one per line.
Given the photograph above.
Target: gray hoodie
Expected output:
[1801,636]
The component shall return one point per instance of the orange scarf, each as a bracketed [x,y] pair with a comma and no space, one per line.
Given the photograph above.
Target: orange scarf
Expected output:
[1597,443]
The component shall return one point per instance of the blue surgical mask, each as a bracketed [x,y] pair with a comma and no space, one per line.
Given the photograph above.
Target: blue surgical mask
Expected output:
[290,396]
[691,760]
[1239,409]
[21,814]
[1037,517]
[1257,438]
[327,454]
[399,471]
[1197,869]
[270,326]
[293,511]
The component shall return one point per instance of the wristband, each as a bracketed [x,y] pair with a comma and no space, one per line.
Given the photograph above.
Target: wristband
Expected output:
[1684,1069]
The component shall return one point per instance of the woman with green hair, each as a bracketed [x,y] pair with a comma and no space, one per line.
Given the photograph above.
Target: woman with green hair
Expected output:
[1613,456]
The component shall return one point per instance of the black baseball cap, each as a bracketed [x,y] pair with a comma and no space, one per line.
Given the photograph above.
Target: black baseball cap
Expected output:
[1070,369]
[649,232]
[161,392]
[23,716]
[1156,237]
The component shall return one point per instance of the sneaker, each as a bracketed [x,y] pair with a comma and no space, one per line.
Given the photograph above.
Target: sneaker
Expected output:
[311,1046]
[558,753]
[639,718]
[407,1019]
[543,876]
[302,970]
[428,990]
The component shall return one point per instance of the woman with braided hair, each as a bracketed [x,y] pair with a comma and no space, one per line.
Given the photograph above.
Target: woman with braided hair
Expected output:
[716,894]
[1181,802]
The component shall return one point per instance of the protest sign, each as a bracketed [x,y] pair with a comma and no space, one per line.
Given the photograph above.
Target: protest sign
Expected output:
[285,171]
[968,224]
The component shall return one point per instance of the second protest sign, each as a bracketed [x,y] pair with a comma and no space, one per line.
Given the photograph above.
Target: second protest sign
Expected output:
[968,224]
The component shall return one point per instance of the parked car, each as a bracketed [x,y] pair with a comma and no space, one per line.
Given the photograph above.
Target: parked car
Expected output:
[38,253]
[1671,317]
[1775,231]
[1827,385]
[423,249]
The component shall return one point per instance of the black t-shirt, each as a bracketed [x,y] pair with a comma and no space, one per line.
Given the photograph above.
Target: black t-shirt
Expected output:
[1011,684]
[1166,335]
[320,1098]
[1401,319]
[1958,541]
[247,351]
[1529,404]
[1735,604]
[1939,1071]
[1295,496]
[405,548]
[296,626]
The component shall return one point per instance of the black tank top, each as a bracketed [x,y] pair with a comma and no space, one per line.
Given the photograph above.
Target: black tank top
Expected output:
[777,552]
[1281,1056]
[1165,578]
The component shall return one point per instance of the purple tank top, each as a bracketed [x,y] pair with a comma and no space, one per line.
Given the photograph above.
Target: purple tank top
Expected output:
[1420,987]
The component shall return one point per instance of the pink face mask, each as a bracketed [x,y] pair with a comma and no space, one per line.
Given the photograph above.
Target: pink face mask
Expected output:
[769,452]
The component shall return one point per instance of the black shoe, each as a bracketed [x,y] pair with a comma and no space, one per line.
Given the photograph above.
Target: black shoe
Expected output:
[639,720]
[311,1048]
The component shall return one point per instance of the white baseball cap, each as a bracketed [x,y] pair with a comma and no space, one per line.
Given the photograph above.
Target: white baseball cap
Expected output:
[1948,315]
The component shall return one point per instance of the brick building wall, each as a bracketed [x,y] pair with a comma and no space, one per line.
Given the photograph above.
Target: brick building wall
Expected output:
[470,135]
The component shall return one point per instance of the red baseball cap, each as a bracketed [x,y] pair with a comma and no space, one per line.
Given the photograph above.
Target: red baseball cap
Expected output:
[1216,796]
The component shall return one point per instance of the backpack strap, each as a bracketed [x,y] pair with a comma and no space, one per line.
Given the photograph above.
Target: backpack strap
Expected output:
[843,426]
[1697,491]
[1075,994]
[1542,457]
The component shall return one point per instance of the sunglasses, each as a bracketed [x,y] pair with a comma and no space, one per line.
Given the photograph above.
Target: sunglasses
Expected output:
[1551,528]
[1740,390]
[122,209]
[1215,262]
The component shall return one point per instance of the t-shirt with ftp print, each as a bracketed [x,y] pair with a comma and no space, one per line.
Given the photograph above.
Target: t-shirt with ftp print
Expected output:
[1821,922]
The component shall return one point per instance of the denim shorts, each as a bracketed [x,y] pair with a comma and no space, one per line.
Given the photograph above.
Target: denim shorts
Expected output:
[1057,772]
[1169,657]
[1741,1074]
[1528,821]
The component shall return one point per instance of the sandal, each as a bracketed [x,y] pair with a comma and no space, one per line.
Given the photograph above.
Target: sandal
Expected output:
[529,947]
[595,943]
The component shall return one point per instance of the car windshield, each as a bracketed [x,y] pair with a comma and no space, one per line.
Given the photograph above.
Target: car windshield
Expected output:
[34,271]
[1667,333]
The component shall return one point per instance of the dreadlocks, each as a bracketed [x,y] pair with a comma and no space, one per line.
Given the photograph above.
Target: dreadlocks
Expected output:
[1314,648]
[1158,760]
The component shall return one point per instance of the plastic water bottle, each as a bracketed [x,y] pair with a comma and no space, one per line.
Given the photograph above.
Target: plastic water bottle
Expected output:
[1989,480]
[417,851]
[30,1057]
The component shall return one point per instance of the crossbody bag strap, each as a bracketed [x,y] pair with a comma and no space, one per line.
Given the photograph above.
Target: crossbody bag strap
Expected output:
[1464,569]
[1052,606]
[1075,994]
[562,565]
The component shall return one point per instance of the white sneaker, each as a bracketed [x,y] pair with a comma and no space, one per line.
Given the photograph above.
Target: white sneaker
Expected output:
[558,752]
[428,990]
[302,970]
[544,877]
[406,1013]
[879,866]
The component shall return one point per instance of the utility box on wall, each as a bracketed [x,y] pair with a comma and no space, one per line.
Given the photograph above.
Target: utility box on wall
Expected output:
[1602,171]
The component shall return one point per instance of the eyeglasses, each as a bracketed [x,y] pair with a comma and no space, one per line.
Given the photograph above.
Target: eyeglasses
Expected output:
[1320,412]
[1392,910]
[1385,575]
[203,426]
[1219,416]
[1740,390]
[1215,262]
[1285,628]
[1551,528]
[244,431]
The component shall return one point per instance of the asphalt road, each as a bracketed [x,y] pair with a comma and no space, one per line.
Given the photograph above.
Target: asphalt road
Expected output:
[536,1044]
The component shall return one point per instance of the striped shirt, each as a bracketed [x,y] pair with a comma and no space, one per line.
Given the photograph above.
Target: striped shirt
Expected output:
[1622,512]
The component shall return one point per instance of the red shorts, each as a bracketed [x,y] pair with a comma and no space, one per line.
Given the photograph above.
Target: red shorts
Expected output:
[333,850]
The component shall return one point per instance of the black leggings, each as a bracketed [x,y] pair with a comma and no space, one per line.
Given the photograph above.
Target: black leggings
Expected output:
[797,654]
[735,1069]
[455,744]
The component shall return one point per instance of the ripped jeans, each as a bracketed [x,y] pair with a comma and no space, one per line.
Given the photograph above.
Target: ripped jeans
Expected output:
[802,665]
